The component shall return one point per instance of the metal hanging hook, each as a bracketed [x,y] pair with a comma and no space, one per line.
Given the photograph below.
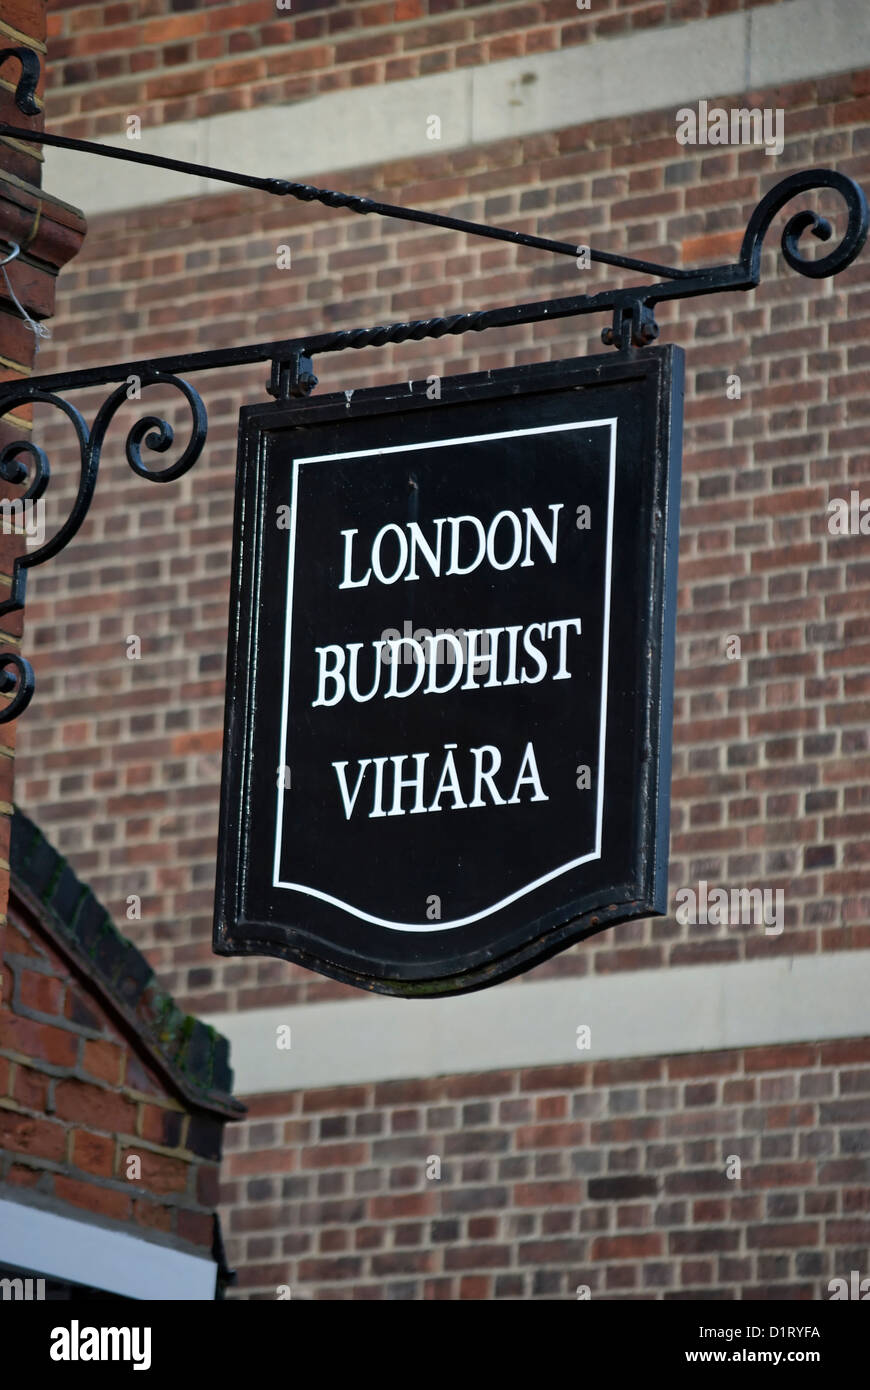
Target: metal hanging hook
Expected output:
[25,92]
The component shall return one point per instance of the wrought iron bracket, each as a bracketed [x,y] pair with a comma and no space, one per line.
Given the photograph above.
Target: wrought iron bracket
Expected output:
[633,325]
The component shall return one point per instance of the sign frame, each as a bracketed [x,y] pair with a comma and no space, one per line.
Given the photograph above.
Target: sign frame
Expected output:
[655,375]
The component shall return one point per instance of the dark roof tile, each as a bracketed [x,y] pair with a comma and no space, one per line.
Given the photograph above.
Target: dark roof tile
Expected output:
[66,895]
[42,868]
[89,920]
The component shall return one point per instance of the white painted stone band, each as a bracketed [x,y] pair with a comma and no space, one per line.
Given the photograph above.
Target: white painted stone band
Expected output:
[649,1013]
[644,71]
[56,1246]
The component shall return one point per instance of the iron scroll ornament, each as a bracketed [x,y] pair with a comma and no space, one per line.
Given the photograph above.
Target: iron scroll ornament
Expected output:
[809,180]
[633,325]
[152,431]
[853,240]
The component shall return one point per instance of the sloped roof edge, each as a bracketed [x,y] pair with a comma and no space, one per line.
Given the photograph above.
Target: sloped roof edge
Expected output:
[192,1057]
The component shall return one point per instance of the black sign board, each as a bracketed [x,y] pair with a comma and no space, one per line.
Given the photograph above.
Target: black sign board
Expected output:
[449,692]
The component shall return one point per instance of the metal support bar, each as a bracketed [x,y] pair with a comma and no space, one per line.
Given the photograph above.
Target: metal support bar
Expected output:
[304,192]
[633,325]
[351,202]
[635,303]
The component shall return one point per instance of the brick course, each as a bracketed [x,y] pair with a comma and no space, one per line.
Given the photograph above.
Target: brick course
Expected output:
[636,1208]
[108,61]
[76,1102]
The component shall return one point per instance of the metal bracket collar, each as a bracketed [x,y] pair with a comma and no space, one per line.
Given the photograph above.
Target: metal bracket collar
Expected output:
[292,376]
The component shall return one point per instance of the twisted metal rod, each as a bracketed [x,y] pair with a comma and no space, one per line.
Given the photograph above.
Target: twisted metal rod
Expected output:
[351,202]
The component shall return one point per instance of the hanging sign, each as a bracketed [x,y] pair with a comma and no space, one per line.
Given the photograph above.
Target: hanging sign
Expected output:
[449,692]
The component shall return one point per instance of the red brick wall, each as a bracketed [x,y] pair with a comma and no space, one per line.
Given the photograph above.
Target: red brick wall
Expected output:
[77,1101]
[610,1175]
[771,756]
[117,58]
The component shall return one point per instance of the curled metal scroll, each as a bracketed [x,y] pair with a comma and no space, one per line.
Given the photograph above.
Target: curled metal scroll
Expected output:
[23,461]
[152,431]
[633,321]
[14,470]
[807,180]
[23,683]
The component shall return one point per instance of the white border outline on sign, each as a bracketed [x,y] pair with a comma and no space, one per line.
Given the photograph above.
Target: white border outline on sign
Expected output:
[602,734]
